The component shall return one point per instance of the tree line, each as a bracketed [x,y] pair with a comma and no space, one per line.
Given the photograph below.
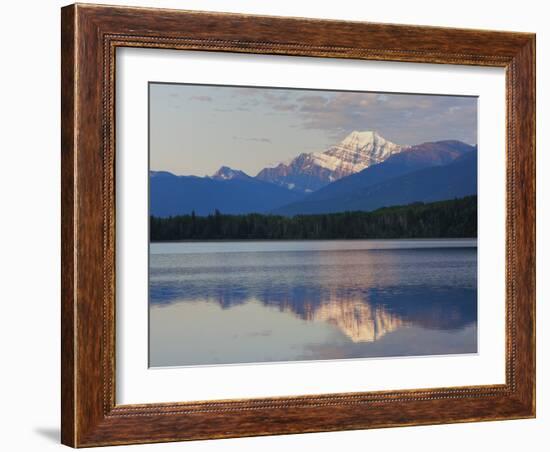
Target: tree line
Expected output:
[444,219]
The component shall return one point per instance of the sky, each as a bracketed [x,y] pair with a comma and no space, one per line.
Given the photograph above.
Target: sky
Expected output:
[195,129]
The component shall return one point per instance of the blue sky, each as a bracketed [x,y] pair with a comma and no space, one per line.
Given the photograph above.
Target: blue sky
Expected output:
[195,129]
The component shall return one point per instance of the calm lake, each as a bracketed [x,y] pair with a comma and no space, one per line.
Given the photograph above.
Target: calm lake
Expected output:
[249,302]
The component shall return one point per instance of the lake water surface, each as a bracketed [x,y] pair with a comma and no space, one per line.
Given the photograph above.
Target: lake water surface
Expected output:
[250,302]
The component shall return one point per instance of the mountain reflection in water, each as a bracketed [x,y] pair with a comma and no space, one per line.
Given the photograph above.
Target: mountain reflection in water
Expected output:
[256,305]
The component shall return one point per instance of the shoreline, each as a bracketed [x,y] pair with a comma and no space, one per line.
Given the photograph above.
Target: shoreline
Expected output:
[421,239]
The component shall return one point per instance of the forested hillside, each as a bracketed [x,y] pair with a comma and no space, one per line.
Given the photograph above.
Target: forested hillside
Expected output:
[443,219]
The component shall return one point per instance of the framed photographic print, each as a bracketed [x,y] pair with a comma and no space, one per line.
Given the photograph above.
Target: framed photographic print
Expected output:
[281,225]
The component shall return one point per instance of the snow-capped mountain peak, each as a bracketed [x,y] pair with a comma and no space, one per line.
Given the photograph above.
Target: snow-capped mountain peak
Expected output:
[309,172]
[360,139]
[355,152]
[226,173]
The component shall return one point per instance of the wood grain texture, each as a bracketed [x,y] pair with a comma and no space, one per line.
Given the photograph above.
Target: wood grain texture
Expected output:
[90,36]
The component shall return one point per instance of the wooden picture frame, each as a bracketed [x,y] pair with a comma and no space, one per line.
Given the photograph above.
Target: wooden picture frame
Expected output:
[90,36]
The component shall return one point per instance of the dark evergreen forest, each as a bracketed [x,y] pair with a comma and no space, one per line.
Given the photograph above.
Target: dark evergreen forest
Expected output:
[444,219]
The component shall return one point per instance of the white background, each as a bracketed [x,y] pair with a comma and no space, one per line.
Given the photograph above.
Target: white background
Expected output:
[138,384]
[30,225]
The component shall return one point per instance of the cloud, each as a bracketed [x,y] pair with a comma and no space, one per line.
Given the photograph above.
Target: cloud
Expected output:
[284,107]
[259,140]
[201,98]
[277,100]
[403,118]
[313,103]
[246,92]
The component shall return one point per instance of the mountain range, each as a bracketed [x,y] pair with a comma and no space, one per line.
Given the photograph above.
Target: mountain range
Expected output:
[228,191]
[392,182]
[309,172]
[363,172]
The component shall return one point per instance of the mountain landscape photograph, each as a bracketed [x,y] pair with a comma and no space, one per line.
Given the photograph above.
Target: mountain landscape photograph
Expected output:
[292,224]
